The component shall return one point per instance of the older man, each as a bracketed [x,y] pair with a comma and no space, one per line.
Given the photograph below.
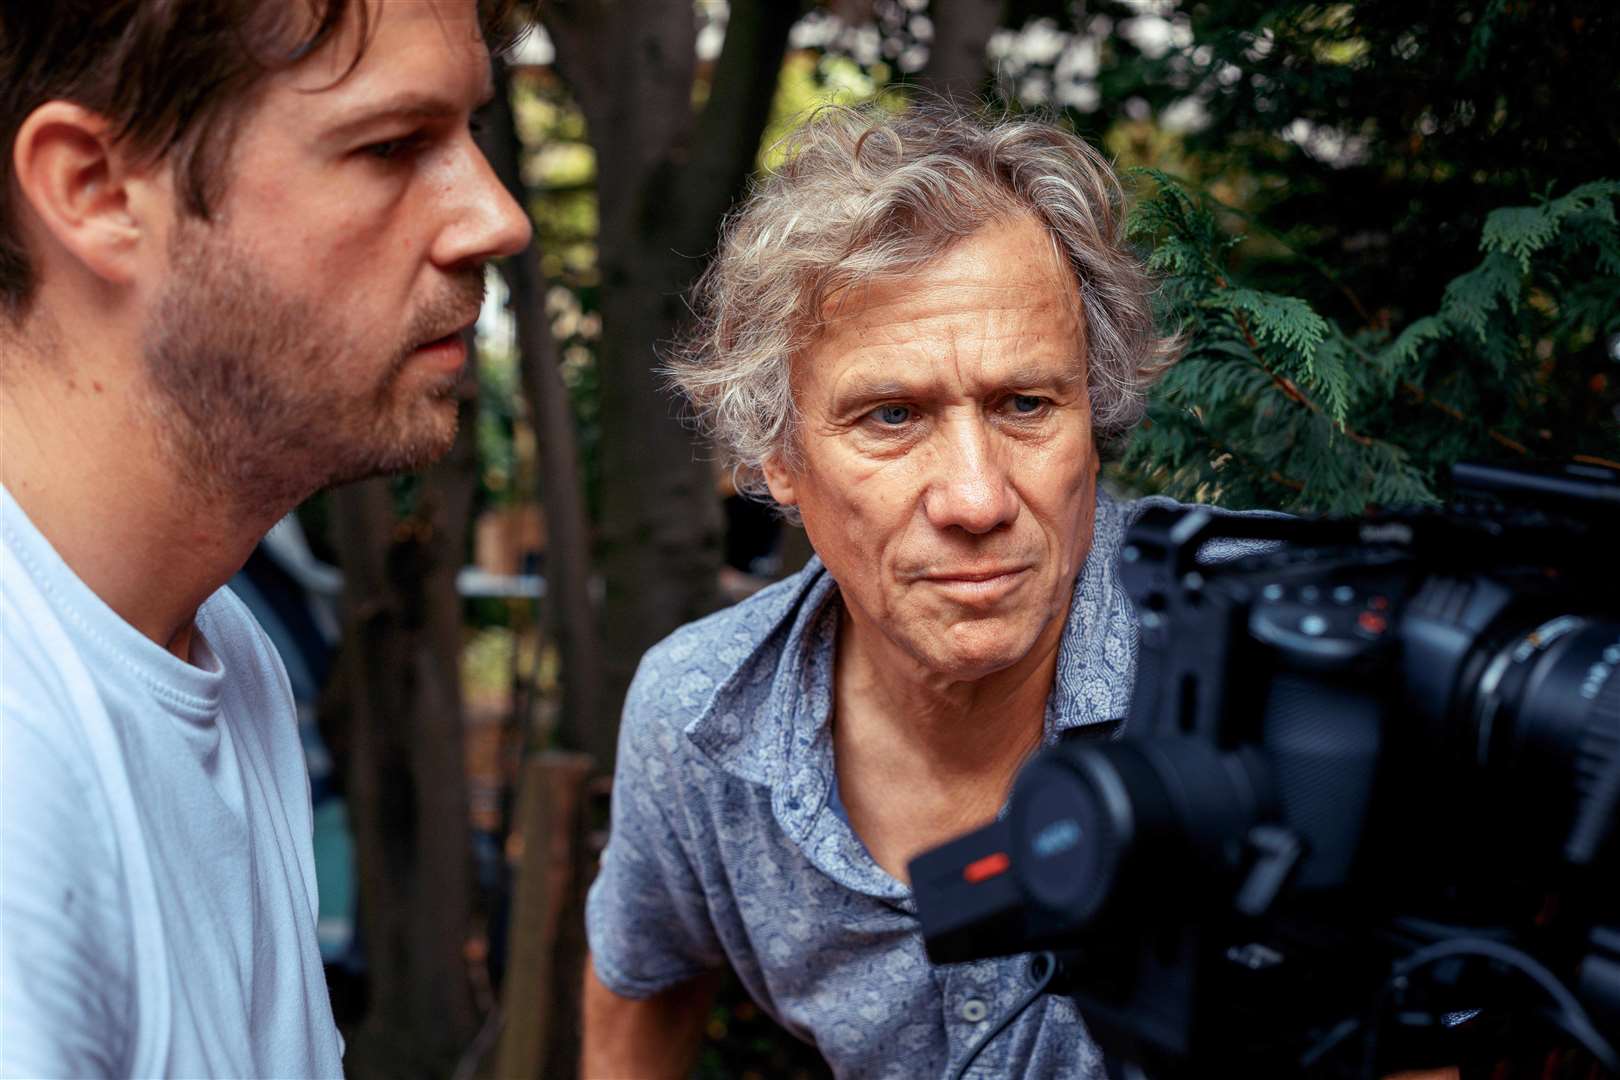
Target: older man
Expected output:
[240,241]
[917,336]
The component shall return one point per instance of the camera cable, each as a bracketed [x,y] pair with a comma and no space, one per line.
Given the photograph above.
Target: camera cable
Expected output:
[1570,1016]
[1043,966]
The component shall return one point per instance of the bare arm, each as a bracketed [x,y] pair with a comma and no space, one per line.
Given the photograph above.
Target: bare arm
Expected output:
[644,1039]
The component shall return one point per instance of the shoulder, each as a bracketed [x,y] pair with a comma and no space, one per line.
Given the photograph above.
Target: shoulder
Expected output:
[233,631]
[257,697]
[46,687]
[245,650]
[1136,507]
[680,676]
[1219,550]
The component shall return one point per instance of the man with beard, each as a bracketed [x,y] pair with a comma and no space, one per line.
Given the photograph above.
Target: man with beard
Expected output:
[239,244]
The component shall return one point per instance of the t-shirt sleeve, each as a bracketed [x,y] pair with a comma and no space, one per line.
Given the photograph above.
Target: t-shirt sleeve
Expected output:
[64,948]
[647,917]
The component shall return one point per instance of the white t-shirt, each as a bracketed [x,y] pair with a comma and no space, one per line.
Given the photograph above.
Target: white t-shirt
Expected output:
[157,874]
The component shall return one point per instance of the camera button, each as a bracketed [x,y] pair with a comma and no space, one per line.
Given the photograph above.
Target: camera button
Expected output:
[1371,622]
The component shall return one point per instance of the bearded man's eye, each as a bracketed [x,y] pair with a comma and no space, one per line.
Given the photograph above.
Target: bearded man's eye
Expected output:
[391,149]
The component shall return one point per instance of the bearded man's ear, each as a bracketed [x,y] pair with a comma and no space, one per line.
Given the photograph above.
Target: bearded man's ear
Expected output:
[83,194]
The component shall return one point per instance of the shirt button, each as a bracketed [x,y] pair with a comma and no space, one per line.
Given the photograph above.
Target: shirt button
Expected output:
[973,1010]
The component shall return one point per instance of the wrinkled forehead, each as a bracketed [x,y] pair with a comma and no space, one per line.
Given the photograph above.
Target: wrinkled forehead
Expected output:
[1013,253]
[1011,271]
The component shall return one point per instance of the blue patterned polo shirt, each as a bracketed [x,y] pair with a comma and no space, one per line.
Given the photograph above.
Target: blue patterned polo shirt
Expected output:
[727,846]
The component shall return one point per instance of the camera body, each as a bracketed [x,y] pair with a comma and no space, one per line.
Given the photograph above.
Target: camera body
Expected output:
[1357,763]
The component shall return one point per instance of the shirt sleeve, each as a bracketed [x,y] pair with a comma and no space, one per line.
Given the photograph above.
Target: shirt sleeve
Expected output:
[64,935]
[647,917]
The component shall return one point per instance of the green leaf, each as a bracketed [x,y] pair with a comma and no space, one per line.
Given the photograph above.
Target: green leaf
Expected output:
[1327,376]
[1404,350]
[1522,231]
[1285,320]
[1470,299]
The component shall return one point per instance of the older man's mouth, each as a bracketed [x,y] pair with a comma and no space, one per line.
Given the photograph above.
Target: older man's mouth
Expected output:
[982,586]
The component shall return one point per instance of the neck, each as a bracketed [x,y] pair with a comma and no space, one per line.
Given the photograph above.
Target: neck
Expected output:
[968,734]
[84,457]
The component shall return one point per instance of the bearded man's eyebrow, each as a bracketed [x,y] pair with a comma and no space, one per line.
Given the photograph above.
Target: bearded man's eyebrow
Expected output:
[406,105]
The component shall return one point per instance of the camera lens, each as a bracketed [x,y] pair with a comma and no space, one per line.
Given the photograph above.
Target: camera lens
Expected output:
[1133,823]
[1071,821]
[1539,691]
[1545,711]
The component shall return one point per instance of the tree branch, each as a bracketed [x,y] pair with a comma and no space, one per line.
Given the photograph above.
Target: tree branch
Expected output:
[568,571]
[1291,388]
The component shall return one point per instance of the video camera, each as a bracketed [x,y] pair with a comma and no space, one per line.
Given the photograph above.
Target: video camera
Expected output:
[1363,814]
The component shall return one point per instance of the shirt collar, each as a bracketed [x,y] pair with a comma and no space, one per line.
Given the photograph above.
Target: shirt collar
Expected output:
[767,722]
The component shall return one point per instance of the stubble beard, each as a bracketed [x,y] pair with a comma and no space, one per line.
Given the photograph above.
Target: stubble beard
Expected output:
[256,392]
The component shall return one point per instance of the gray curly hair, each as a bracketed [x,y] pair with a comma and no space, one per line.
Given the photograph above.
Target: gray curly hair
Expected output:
[864,194]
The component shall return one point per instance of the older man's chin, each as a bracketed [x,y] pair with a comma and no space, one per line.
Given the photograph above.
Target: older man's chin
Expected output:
[975,650]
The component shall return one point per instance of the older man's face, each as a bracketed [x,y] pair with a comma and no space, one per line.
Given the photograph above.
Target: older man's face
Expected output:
[948,467]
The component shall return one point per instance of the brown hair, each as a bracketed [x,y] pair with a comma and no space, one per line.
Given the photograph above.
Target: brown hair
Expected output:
[173,77]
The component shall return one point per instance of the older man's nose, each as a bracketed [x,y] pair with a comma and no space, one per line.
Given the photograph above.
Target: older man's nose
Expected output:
[972,488]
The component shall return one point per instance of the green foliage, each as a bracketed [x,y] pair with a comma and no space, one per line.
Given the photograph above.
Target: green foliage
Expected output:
[1275,403]
[1286,320]
[1521,231]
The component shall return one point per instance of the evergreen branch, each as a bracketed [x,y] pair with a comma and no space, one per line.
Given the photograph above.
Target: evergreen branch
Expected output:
[1183,188]
[1286,481]
[1469,299]
[1291,390]
[1422,396]
[1297,486]
[1522,231]
[1286,320]
[1511,444]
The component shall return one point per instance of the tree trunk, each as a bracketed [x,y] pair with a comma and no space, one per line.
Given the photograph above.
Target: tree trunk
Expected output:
[540,1035]
[407,783]
[571,615]
[956,66]
[664,179]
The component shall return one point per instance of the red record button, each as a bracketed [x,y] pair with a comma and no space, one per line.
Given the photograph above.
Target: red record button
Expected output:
[1371,622]
[986,868]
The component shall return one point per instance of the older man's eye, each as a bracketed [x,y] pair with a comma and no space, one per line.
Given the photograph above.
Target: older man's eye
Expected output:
[892,415]
[1026,404]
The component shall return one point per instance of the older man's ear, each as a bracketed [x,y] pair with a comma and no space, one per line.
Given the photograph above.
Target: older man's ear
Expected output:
[779,478]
